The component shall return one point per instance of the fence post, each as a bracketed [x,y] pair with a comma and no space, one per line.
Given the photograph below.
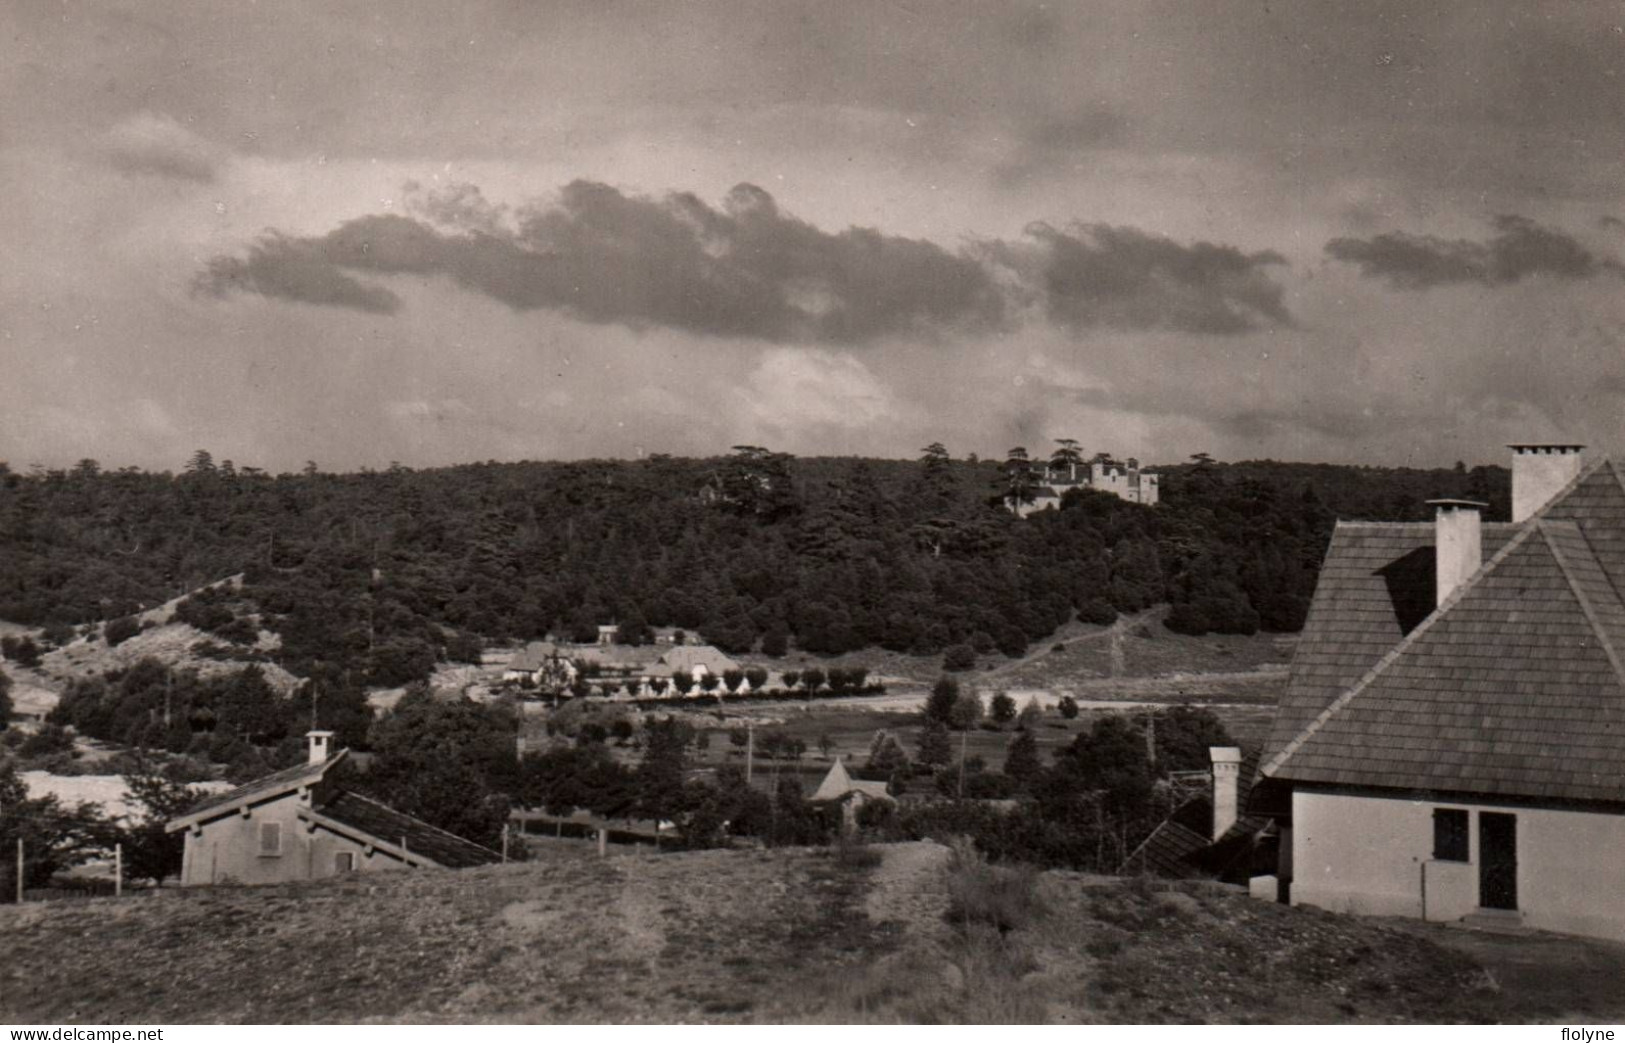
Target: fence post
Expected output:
[603,844]
[504,842]
[19,870]
[118,870]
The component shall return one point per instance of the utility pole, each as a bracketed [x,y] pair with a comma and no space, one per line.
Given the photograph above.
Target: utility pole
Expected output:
[504,842]
[118,870]
[964,737]
[750,747]
[19,870]
[169,689]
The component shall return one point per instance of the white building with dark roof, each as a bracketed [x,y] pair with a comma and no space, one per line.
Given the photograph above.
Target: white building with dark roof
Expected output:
[1452,740]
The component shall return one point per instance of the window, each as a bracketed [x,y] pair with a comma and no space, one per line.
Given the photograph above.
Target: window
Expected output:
[344,862]
[270,838]
[1450,835]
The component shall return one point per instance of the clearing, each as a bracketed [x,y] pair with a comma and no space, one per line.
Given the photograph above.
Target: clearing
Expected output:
[790,935]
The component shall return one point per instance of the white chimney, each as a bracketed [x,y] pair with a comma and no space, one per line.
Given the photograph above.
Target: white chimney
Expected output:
[1458,544]
[1226,780]
[1540,470]
[319,742]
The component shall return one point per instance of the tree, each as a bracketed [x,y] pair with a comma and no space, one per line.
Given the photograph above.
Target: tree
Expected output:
[757,678]
[1066,455]
[790,678]
[450,762]
[5,700]
[936,749]
[959,658]
[150,851]
[683,681]
[1020,483]
[1003,708]
[886,757]
[1068,707]
[20,650]
[813,679]
[732,678]
[1021,757]
[1029,716]
[966,712]
[55,837]
[939,705]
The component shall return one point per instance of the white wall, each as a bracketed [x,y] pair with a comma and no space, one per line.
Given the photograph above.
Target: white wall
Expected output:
[227,851]
[1370,854]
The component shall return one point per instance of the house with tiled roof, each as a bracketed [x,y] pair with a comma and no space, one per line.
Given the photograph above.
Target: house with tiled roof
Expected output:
[1451,744]
[300,824]
[1208,834]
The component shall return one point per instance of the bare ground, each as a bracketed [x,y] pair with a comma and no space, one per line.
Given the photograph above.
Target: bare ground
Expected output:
[763,936]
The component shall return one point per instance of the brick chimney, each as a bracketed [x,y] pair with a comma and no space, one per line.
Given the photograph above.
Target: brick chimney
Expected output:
[1540,470]
[1458,544]
[319,741]
[1226,782]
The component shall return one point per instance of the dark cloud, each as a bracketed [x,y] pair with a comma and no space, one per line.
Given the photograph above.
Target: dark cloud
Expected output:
[1520,249]
[294,270]
[745,270]
[1114,277]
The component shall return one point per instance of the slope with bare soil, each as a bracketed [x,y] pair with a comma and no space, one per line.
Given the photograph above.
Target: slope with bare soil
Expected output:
[766,936]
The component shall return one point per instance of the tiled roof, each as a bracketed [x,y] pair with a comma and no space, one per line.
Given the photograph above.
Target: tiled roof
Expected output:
[383,823]
[687,657]
[837,785]
[1377,584]
[262,788]
[1515,687]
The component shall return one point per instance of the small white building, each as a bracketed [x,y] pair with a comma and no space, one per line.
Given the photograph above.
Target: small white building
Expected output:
[300,824]
[1452,741]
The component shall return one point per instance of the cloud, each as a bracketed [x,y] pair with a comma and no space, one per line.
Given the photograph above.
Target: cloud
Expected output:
[597,254]
[1521,249]
[1114,277]
[149,143]
[748,270]
[1057,143]
[295,270]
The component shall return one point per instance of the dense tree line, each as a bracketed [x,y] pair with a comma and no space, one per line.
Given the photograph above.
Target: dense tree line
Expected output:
[374,577]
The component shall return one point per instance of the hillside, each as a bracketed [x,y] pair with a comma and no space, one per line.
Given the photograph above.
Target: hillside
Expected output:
[759,936]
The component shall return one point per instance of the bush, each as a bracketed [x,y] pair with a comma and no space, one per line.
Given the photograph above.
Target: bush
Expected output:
[1068,707]
[120,630]
[1097,611]
[1001,897]
[959,657]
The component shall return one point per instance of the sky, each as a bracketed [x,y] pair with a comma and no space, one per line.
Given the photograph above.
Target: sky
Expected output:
[365,233]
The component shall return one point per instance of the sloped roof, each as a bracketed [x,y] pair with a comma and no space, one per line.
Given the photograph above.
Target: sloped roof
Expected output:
[1376,584]
[1514,687]
[838,785]
[533,656]
[389,828]
[687,657]
[261,789]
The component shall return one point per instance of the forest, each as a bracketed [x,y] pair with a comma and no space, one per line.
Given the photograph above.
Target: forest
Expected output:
[374,577]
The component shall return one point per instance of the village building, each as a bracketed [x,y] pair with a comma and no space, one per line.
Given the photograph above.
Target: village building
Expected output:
[300,824]
[1208,833]
[1451,744]
[1128,483]
[840,789]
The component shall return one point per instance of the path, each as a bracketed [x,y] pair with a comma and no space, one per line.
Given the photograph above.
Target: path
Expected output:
[910,888]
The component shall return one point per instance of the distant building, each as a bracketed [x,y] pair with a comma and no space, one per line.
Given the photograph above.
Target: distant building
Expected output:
[299,824]
[1207,834]
[1451,741]
[840,789]
[1128,483]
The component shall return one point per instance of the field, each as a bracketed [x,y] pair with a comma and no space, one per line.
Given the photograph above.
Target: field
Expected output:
[891,934]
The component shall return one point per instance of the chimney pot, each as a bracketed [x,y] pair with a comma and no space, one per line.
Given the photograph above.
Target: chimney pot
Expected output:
[319,742]
[1458,544]
[1540,470]
[1226,784]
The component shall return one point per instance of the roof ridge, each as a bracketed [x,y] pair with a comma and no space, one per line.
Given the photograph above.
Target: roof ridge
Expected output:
[1404,645]
[1586,606]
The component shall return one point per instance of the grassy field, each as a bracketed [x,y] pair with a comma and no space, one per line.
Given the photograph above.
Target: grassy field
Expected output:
[894,934]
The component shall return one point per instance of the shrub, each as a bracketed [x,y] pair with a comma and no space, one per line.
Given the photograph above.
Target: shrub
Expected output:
[1068,707]
[120,630]
[959,657]
[1002,897]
